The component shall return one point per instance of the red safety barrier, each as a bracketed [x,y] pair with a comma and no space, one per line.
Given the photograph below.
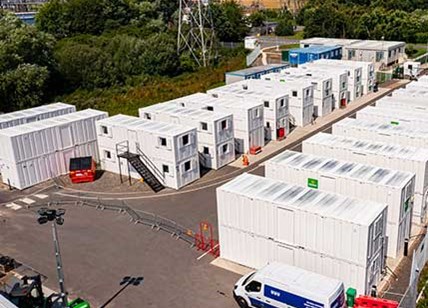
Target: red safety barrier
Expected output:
[255,150]
[373,302]
[281,133]
[204,240]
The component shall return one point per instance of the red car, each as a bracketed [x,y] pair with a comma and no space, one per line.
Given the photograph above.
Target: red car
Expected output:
[82,169]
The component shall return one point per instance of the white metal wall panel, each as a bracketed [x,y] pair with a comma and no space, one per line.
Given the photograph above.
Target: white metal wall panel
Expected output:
[407,159]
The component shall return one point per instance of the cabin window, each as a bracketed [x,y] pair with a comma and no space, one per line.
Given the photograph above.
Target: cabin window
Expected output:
[187,166]
[294,93]
[104,129]
[223,125]
[107,154]
[225,148]
[165,168]
[204,126]
[147,116]
[266,104]
[185,139]
[206,150]
[162,141]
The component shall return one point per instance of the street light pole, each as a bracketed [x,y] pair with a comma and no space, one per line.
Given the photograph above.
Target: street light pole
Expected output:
[60,272]
[55,217]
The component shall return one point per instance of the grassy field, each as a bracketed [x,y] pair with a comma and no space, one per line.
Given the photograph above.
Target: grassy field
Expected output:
[127,100]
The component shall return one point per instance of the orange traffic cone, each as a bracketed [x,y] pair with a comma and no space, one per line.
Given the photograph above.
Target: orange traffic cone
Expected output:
[245,160]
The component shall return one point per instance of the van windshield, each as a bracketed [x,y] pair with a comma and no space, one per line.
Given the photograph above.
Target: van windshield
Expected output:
[248,279]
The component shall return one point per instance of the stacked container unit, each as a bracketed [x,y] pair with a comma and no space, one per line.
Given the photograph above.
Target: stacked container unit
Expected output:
[323,94]
[299,56]
[368,76]
[301,99]
[248,117]
[406,159]
[416,85]
[35,152]
[339,81]
[382,132]
[355,86]
[171,148]
[386,186]
[274,99]
[416,104]
[263,220]
[395,116]
[34,114]
[215,130]
[412,92]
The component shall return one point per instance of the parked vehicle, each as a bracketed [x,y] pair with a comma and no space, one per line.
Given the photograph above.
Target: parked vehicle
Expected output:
[283,286]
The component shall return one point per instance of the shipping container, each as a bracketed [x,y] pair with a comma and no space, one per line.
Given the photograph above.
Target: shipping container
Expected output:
[339,81]
[299,56]
[168,150]
[34,114]
[403,102]
[38,151]
[253,72]
[216,144]
[395,116]
[263,220]
[274,99]
[382,132]
[406,159]
[355,80]
[366,182]
[322,87]
[248,117]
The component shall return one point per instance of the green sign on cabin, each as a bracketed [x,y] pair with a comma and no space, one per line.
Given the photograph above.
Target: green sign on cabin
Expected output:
[312,183]
[395,123]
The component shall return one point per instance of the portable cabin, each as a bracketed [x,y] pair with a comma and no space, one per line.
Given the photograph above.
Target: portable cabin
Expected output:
[263,220]
[299,56]
[216,144]
[361,181]
[162,154]
[391,156]
[38,151]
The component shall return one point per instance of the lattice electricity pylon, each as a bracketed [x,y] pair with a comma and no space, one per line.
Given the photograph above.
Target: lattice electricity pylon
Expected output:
[196,30]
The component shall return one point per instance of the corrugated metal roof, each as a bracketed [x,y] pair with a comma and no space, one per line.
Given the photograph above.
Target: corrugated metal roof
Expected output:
[401,98]
[52,122]
[377,45]
[300,198]
[33,111]
[414,92]
[342,168]
[257,69]
[367,146]
[258,88]
[328,41]
[150,126]
[174,109]
[396,113]
[384,128]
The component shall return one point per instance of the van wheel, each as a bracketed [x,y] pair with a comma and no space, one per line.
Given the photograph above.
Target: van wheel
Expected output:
[242,302]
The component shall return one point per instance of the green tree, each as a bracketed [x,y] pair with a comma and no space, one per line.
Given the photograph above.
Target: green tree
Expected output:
[160,55]
[284,27]
[23,87]
[229,21]
[257,19]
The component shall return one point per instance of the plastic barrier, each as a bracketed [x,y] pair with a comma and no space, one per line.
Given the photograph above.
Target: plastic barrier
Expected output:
[373,302]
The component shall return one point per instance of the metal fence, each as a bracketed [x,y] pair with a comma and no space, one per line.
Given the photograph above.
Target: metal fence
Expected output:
[420,257]
[154,221]
[423,59]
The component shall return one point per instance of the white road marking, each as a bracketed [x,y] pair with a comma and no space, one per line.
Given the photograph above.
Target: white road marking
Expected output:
[205,253]
[13,206]
[41,196]
[27,201]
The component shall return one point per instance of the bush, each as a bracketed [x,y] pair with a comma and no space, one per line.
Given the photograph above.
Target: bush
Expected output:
[285,27]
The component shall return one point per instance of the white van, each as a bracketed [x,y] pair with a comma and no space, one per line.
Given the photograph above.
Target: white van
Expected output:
[283,286]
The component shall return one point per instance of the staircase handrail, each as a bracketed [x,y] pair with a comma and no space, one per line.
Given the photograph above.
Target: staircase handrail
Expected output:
[150,165]
[122,147]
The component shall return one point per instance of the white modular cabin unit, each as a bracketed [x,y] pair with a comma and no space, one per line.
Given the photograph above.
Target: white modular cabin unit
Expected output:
[416,85]
[301,99]
[274,99]
[412,69]
[36,152]
[416,104]
[382,52]
[395,116]
[34,114]
[421,92]
[423,78]
[355,81]
[368,74]
[169,150]
[327,41]
[323,93]
[216,143]
[366,182]
[263,220]
[339,78]
[248,117]
[406,159]
[382,132]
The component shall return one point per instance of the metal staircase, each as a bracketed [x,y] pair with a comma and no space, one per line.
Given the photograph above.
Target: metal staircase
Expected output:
[141,163]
